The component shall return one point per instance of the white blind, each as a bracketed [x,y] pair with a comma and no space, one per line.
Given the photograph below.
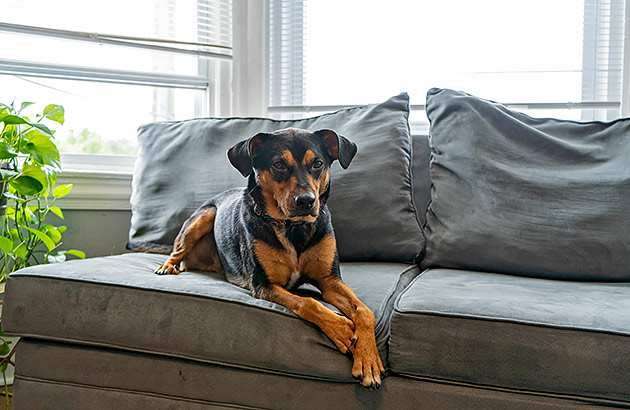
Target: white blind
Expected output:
[602,55]
[286,52]
[195,22]
[533,54]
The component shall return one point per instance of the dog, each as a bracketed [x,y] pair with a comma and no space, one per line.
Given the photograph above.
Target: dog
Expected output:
[277,234]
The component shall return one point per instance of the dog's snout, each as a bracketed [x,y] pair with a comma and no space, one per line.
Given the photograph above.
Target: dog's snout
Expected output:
[304,201]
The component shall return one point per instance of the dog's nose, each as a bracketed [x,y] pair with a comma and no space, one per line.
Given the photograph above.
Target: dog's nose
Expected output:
[304,202]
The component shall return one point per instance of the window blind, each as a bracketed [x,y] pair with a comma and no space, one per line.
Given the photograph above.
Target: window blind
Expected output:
[560,58]
[602,55]
[286,52]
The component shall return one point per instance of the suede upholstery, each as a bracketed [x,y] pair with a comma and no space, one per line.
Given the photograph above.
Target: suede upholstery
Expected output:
[118,301]
[522,333]
[520,195]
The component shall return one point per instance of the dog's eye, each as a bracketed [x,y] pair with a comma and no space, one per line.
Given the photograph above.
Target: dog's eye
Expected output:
[318,164]
[278,165]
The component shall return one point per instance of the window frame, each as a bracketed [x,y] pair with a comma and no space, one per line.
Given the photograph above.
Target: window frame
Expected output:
[103,181]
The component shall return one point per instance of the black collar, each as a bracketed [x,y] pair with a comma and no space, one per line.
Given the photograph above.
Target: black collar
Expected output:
[283,223]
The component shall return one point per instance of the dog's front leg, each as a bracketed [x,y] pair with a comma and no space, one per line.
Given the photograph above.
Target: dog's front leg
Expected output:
[367,366]
[338,328]
[200,223]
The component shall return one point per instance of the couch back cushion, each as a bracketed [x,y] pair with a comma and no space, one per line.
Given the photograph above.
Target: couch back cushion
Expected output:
[528,196]
[182,164]
[420,157]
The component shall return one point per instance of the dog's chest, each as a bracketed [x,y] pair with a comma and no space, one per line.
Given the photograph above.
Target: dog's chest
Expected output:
[291,274]
[283,264]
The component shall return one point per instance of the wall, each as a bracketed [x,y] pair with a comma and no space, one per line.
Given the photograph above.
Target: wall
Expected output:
[97,233]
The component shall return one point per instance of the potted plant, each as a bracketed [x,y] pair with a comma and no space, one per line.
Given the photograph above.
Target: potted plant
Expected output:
[29,165]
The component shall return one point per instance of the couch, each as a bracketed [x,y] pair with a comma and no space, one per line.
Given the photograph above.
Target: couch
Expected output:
[495,255]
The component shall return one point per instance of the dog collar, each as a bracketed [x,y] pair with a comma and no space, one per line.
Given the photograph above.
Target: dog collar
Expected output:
[283,223]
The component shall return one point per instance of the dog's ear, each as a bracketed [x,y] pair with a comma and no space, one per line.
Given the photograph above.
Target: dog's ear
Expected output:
[339,147]
[242,154]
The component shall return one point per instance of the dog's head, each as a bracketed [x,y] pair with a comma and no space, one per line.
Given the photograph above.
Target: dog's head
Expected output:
[292,168]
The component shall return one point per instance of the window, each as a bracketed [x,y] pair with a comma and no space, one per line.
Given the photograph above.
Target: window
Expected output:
[116,65]
[560,58]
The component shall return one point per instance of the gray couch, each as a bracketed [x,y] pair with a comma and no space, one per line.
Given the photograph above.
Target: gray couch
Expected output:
[512,290]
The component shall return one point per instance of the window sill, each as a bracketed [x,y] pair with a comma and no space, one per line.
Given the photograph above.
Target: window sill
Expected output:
[100,182]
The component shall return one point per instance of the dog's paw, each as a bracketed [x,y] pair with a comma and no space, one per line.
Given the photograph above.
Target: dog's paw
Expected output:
[367,366]
[167,269]
[341,331]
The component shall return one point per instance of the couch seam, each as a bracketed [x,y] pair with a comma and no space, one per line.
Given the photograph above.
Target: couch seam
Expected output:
[160,289]
[413,281]
[136,392]
[560,396]
[513,321]
[80,342]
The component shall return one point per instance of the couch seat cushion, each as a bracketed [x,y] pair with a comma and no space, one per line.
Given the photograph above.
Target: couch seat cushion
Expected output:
[508,331]
[118,302]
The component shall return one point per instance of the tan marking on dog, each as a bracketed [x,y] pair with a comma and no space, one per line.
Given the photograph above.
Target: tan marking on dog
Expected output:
[367,362]
[323,181]
[338,328]
[280,265]
[278,197]
[316,262]
[288,158]
[187,240]
[309,156]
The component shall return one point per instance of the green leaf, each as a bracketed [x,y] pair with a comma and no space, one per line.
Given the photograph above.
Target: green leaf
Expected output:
[74,252]
[62,228]
[55,113]
[27,185]
[25,104]
[6,151]
[41,127]
[29,214]
[36,172]
[13,119]
[42,237]
[52,233]
[56,210]
[62,190]
[42,149]
[3,367]
[20,251]
[5,349]
[7,173]
[52,174]
[13,233]
[6,244]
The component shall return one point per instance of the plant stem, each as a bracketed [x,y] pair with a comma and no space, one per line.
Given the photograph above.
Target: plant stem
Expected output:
[6,388]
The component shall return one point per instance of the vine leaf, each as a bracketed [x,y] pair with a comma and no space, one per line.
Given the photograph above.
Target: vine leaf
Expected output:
[42,237]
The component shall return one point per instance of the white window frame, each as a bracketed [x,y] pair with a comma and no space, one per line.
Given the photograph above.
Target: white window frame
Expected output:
[103,182]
